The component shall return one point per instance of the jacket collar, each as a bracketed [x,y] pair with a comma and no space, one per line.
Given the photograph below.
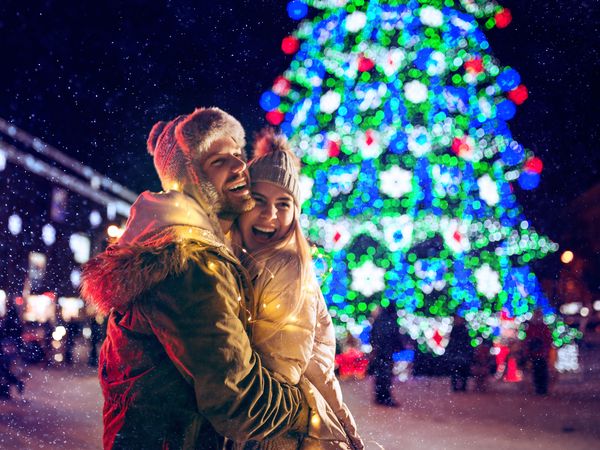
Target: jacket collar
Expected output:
[153,212]
[165,230]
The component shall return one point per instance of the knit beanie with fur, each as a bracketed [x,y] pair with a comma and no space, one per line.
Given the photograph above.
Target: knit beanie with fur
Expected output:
[175,144]
[274,162]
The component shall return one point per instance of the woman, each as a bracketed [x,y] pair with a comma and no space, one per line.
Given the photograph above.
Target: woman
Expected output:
[291,328]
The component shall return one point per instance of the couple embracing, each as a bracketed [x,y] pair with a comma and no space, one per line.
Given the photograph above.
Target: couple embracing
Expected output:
[218,335]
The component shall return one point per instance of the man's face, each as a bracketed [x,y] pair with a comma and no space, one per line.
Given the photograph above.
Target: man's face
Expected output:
[224,166]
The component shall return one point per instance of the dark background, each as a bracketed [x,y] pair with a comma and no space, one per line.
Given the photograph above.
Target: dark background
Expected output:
[91,78]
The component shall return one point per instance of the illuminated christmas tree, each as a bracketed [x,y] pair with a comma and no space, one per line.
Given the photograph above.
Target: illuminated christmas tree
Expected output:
[399,113]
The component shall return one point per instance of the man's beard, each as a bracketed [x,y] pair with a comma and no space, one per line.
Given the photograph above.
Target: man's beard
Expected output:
[230,209]
[224,207]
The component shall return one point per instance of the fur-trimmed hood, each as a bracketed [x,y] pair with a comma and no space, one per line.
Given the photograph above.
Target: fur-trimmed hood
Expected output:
[164,232]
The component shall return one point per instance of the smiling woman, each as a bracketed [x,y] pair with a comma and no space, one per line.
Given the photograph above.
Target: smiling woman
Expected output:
[271,219]
[291,327]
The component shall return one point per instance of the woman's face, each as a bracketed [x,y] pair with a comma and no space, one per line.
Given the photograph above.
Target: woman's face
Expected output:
[270,219]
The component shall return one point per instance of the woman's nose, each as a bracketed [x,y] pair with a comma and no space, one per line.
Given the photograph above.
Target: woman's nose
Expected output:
[268,211]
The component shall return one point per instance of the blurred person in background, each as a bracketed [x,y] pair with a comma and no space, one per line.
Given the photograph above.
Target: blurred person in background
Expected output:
[385,340]
[459,354]
[537,345]
[484,365]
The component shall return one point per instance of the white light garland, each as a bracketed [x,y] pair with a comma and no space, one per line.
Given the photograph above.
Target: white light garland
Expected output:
[419,141]
[431,17]
[330,102]
[356,21]
[395,182]
[436,64]
[306,185]
[567,358]
[488,190]
[368,279]
[455,234]
[488,281]
[397,232]
[392,61]
[415,92]
[369,145]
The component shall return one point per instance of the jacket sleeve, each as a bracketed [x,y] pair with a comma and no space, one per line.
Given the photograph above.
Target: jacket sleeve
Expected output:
[195,317]
[320,372]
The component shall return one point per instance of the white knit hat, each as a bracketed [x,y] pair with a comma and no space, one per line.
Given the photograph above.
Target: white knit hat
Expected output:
[176,143]
[274,162]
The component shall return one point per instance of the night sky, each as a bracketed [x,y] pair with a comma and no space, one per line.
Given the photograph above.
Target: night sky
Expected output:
[91,78]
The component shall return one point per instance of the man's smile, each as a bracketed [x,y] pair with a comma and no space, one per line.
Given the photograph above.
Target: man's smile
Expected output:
[239,187]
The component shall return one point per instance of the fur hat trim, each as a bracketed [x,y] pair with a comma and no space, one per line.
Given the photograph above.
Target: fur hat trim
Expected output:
[200,129]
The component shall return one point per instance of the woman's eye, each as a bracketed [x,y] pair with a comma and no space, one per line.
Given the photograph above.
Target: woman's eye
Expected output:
[284,205]
[217,162]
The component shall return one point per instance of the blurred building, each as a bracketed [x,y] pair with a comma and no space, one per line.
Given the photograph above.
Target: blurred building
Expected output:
[54,215]
[578,284]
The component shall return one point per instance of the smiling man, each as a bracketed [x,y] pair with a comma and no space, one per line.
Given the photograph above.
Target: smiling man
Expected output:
[176,369]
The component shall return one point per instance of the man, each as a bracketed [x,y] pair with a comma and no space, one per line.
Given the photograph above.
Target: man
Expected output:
[176,367]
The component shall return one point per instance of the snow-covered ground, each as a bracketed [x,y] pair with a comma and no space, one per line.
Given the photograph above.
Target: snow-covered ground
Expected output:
[505,417]
[61,409]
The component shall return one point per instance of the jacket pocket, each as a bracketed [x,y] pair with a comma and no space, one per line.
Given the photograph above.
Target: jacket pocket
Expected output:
[121,391]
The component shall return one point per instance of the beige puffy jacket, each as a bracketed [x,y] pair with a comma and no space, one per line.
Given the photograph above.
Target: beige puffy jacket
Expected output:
[293,333]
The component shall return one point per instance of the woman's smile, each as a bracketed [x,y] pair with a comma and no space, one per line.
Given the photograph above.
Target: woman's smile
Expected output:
[270,219]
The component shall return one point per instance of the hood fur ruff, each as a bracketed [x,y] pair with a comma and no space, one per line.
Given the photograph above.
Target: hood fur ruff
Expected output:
[164,232]
[116,277]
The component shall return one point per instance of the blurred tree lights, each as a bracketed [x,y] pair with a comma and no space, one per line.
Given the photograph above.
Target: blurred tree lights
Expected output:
[399,113]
